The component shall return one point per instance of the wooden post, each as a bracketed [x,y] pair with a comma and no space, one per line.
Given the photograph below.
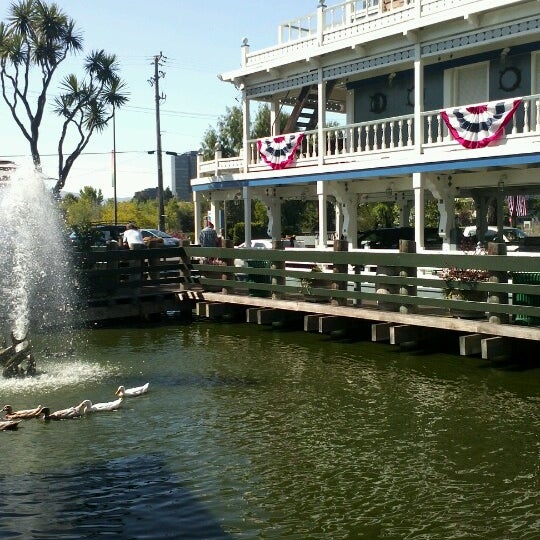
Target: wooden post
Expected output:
[386,288]
[358,285]
[184,267]
[497,277]
[278,265]
[228,262]
[407,246]
[113,264]
[340,245]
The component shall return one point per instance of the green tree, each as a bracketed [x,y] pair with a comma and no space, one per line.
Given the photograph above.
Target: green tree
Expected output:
[36,39]
[228,134]
[261,124]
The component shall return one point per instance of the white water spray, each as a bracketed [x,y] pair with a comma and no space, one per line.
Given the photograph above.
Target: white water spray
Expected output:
[36,287]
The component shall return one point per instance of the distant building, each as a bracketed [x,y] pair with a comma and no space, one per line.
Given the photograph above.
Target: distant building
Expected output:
[146,194]
[183,169]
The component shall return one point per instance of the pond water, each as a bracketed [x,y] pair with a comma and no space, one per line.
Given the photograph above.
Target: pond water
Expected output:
[248,432]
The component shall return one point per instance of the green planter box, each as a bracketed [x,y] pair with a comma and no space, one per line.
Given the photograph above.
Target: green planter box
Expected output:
[520,299]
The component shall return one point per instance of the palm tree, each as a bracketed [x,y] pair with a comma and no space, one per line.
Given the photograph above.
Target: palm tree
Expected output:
[34,41]
[87,106]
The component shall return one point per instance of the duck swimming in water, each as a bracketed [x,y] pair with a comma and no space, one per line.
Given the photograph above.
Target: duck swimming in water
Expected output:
[88,406]
[23,414]
[63,414]
[132,392]
[9,425]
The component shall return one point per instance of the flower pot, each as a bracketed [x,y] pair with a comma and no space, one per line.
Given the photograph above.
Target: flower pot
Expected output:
[470,296]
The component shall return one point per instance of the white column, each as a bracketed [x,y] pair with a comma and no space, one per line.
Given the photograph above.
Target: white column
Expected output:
[214,210]
[245,129]
[197,214]
[273,208]
[418,101]
[274,118]
[419,209]
[339,220]
[323,218]
[246,193]
[321,104]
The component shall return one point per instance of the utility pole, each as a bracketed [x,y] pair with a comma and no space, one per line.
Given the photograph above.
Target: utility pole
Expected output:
[154,81]
[114,167]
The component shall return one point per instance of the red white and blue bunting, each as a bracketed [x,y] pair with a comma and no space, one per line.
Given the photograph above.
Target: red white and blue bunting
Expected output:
[478,125]
[279,152]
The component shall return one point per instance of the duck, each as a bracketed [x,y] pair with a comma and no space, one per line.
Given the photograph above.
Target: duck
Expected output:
[63,414]
[23,414]
[132,392]
[9,425]
[88,406]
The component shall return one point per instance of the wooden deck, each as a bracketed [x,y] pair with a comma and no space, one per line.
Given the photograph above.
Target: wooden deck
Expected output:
[403,300]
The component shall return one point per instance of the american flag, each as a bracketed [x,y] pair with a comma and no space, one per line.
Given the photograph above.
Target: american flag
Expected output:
[517,205]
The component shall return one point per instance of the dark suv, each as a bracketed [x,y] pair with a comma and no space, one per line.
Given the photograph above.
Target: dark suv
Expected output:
[103,233]
[388,238]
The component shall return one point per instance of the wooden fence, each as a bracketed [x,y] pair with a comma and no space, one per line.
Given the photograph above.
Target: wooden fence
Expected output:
[405,282]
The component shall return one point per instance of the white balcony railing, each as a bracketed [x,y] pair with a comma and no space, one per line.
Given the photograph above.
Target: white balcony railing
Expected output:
[351,142]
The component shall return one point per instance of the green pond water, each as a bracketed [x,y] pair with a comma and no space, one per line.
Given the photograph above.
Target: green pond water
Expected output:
[249,432]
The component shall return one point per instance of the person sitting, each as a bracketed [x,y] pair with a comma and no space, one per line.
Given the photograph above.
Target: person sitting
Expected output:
[208,236]
[133,237]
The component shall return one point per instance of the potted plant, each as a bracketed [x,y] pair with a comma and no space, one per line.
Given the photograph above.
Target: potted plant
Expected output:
[461,285]
[307,284]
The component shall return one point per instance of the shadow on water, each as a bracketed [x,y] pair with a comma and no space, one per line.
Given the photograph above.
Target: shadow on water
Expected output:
[132,497]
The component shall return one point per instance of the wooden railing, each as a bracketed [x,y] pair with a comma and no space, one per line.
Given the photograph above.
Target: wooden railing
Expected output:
[510,295]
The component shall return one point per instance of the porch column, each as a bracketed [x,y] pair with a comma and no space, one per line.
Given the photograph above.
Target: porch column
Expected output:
[246,193]
[418,100]
[273,211]
[197,215]
[274,118]
[323,218]
[245,130]
[214,212]
[339,220]
[419,209]
[347,206]
[443,190]
[321,111]
[404,212]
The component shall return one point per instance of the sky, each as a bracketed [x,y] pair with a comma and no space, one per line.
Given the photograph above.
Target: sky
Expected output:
[199,39]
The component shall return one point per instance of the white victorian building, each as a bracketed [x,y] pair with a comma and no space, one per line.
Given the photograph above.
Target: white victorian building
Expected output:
[439,99]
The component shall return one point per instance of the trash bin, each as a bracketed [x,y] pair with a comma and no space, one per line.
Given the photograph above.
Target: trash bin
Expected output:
[521,299]
[253,278]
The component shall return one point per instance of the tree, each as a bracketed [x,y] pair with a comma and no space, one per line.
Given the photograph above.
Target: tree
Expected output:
[228,134]
[229,131]
[37,38]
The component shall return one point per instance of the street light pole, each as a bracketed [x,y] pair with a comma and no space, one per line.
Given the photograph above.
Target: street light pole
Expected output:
[114,168]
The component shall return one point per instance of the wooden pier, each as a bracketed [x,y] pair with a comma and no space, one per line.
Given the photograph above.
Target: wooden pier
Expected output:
[405,300]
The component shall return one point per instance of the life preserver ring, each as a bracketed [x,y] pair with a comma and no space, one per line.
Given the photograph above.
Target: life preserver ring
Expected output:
[509,79]
[378,103]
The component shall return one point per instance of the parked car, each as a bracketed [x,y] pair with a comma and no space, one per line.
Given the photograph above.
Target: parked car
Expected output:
[101,234]
[168,240]
[389,237]
[510,234]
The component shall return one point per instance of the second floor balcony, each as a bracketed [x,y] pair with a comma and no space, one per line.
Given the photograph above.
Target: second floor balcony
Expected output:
[389,141]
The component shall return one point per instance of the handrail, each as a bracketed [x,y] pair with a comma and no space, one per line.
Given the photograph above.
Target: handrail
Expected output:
[395,284]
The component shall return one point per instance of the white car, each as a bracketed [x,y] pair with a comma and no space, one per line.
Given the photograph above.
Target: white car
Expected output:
[510,234]
[168,240]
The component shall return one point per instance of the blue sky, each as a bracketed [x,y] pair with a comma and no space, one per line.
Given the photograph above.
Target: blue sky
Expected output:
[200,38]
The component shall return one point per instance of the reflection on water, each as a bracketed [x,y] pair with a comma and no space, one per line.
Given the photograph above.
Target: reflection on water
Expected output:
[252,433]
[135,497]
